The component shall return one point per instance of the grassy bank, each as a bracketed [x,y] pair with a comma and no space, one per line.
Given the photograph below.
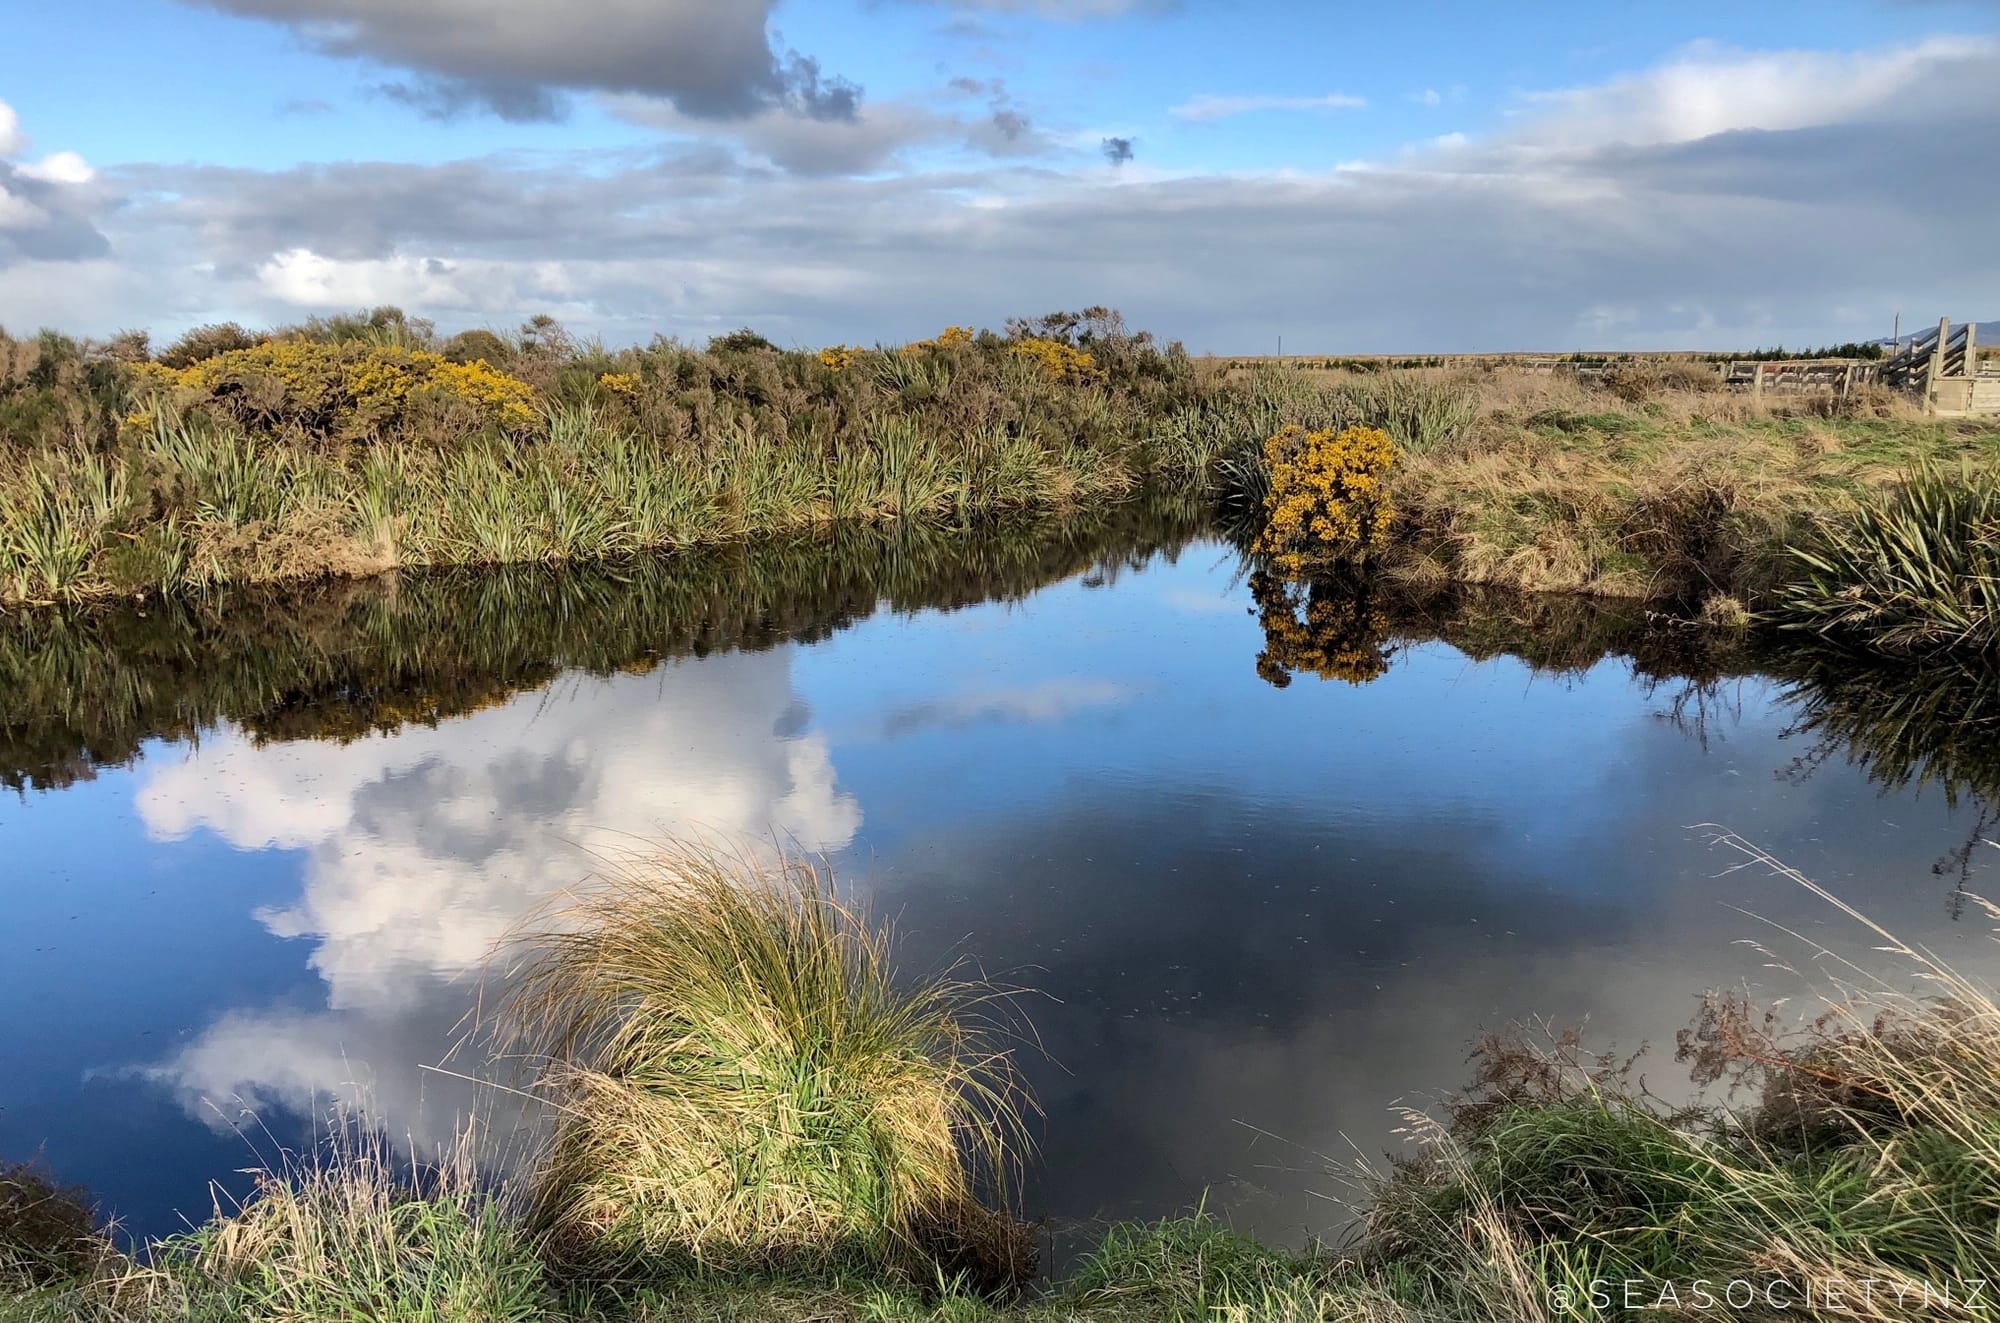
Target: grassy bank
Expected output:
[778,1127]
[358,445]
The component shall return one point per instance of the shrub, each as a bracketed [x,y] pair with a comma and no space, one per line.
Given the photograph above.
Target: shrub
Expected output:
[348,390]
[740,1081]
[1344,634]
[1326,503]
[740,341]
[477,346]
[1058,361]
[1913,569]
[205,342]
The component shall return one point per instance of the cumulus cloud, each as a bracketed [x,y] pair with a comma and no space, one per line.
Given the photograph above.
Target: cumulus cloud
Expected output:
[423,848]
[1204,108]
[1722,199]
[45,205]
[713,59]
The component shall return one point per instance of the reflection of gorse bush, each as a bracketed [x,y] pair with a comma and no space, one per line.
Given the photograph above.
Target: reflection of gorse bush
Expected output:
[1326,502]
[1343,634]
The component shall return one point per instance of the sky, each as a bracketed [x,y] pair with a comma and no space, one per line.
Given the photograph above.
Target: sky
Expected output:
[1346,177]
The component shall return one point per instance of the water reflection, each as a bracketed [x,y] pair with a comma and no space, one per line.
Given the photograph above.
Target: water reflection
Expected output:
[1253,911]
[423,849]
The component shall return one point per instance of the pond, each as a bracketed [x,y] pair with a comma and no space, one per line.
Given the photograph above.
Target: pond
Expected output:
[1267,865]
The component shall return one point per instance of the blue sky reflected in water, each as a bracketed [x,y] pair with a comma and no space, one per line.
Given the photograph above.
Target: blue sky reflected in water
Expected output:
[1258,917]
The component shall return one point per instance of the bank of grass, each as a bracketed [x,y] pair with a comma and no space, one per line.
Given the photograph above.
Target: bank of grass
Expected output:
[1844,1166]
[357,445]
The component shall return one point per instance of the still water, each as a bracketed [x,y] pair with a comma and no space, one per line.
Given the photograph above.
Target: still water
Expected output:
[259,852]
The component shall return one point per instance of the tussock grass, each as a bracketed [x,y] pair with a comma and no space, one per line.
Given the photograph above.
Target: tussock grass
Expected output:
[739,1079]
[346,1237]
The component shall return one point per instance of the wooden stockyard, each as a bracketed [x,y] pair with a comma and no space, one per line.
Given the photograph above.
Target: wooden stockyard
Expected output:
[1947,370]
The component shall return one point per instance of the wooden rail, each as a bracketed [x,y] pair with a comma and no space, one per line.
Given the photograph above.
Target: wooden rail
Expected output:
[1948,370]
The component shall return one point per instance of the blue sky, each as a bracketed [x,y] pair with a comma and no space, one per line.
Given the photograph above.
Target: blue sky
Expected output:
[1355,177]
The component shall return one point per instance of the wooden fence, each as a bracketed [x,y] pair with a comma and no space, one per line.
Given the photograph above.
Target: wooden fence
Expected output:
[1949,371]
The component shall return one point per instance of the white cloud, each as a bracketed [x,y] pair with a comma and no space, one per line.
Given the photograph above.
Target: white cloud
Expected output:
[12,140]
[1614,196]
[1047,700]
[1709,90]
[425,848]
[1202,109]
[60,168]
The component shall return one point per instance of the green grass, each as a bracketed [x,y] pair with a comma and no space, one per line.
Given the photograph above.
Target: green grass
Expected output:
[739,1078]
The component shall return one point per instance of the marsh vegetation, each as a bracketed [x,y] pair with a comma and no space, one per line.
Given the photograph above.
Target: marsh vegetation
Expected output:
[358,445]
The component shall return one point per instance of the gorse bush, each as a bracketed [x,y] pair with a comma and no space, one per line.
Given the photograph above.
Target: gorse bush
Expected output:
[1328,501]
[346,390]
[738,1079]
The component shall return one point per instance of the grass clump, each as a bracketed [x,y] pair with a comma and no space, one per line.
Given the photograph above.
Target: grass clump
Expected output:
[1909,570]
[1850,1170]
[740,1081]
[348,1239]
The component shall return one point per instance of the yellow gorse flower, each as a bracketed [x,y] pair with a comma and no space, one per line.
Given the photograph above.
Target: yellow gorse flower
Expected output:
[345,391]
[951,337]
[838,358]
[1059,361]
[1328,500]
[620,383]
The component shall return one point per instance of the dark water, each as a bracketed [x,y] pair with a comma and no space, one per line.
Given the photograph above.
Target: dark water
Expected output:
[260,850]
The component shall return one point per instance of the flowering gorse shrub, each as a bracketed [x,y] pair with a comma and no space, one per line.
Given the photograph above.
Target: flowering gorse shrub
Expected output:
[837,358]
[620,383]
[347,391]
[1059,361]
[951,337]
[1327,502]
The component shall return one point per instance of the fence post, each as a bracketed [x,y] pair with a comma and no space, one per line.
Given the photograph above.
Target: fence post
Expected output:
[1757,380]
[1972,350]
[1936,364]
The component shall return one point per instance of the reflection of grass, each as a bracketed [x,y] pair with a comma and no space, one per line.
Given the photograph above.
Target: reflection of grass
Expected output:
[84,688]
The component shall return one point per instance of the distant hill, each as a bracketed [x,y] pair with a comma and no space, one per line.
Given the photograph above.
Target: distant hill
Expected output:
[1987,333]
